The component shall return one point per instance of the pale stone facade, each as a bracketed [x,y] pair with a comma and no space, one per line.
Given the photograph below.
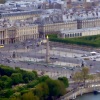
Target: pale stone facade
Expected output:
[27,32]
[88,23]
[56,27]
[21,15]
[79,32]
[16,34]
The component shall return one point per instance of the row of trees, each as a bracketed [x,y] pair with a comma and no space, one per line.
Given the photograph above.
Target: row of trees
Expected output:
[83,76]
[87,40]
[18,84]
[10,77]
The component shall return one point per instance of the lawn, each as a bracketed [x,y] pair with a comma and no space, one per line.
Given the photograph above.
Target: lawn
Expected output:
[93,41]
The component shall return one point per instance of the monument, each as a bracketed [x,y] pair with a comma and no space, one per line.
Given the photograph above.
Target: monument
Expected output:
[47,50]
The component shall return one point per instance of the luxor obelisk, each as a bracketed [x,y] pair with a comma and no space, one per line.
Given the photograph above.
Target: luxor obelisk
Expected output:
[47,50]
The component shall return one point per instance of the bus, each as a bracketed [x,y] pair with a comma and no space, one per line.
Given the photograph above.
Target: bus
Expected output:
[93,53]
[1,46]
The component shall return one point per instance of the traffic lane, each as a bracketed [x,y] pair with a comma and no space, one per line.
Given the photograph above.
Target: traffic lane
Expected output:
[78,61]
[69,50]
[67,59]
[16,46]
[35,67]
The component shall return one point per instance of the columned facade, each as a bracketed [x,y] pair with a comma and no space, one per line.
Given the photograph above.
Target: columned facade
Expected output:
[18,33]
[79,32]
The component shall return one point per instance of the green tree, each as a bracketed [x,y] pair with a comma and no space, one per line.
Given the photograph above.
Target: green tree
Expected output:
[7,81]
[43,78]
[82,76]
[42,90]
[28,76]
[64,80]
[35,73]
[85,74]
[6,93]
[77,77]
[15,98]
[1,85]
[56,88]
[16,78]
[5,70]
[29,96]
[32,83]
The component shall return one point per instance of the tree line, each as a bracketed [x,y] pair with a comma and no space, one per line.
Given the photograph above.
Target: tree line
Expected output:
[86,40]
[18,84]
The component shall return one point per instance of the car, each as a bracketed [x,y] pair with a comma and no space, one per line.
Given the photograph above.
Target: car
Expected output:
[7,60]
[28,41]
[28,63]
[10,60]
[2,59]
[90,64]
[45,65]
[94,59]
[53,66]
[75,56]
[37,45]
[30,44]
[97,71]
[71,68]
[53,58]
[64,67]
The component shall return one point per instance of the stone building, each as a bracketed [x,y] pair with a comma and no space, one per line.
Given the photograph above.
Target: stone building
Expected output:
[88,23]
[79,32]
[12,16]
[56,27]
[18,34]
[54,23]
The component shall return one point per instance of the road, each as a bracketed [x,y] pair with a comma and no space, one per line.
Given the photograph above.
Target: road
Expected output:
[36,52]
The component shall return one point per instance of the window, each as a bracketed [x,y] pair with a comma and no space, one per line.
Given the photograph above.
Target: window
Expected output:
[80,34]
[75,34]
[67,35]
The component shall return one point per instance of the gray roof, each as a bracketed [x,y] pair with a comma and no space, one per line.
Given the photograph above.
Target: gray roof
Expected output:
[21,13]
[79,30]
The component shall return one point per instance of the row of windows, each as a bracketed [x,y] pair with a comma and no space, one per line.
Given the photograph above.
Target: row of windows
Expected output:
[59,27]
[2,34]
[73,35]
[21,13]
[2,41]
[24,31]
[28,29]
[61,24]
[22,38]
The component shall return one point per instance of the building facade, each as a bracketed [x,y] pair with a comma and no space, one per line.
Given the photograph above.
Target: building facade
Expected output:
[79,32]
[18,34]
[21,15]
[56,27]
[88,23]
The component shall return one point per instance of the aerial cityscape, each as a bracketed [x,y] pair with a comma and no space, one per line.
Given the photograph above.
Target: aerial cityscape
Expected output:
[50,50]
